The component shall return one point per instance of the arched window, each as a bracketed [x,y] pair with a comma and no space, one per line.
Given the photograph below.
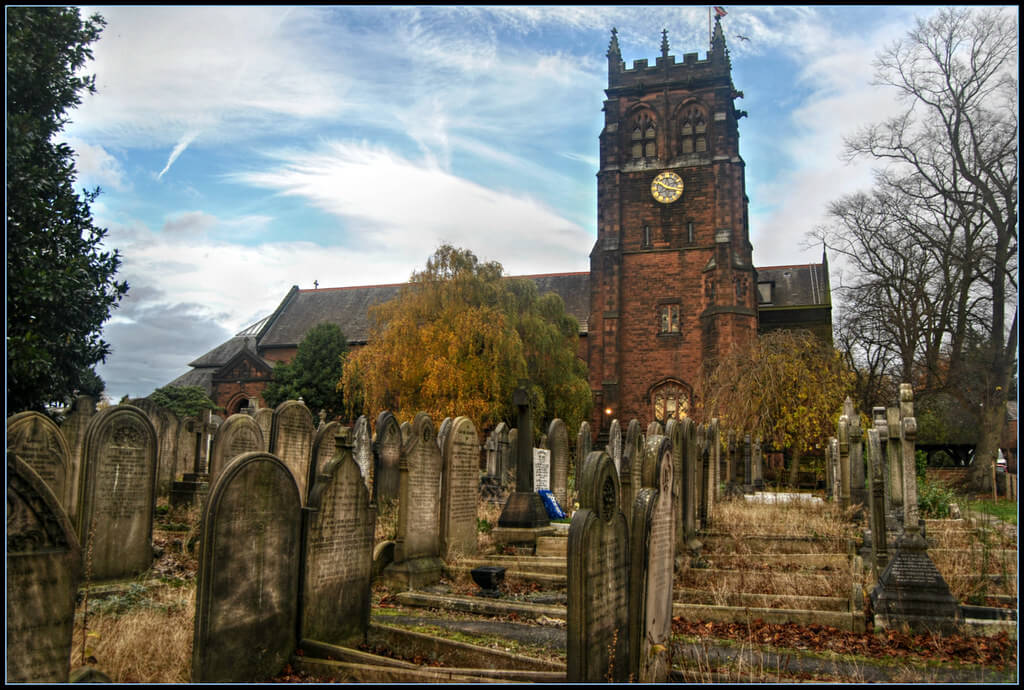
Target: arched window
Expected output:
[693,132]
[671,401]
[644,138]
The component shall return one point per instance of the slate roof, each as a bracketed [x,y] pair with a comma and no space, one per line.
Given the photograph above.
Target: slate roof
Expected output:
[797,286]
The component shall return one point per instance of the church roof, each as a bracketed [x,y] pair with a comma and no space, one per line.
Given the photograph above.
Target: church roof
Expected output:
[805,285]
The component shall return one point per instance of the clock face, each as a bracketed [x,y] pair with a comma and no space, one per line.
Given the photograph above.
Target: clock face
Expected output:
[667,187]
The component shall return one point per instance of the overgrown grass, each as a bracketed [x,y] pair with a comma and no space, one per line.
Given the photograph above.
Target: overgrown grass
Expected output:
[1002,509]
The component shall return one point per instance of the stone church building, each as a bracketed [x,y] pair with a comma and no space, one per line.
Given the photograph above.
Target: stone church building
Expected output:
[671,278]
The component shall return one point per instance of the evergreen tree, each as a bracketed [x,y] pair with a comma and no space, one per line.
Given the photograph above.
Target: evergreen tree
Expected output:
[314,373]
[60,279]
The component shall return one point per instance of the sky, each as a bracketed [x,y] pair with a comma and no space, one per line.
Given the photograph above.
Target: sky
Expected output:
[241,151]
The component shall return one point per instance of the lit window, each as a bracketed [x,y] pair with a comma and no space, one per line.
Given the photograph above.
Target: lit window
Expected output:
[669,318]
[671,401]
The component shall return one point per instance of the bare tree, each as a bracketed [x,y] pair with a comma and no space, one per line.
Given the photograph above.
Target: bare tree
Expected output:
[935,243]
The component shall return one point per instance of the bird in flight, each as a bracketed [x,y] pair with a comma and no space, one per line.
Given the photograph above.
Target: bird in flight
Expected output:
[742,38]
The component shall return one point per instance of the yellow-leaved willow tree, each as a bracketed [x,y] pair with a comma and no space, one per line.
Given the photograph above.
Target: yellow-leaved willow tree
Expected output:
[786,387]
[457,340]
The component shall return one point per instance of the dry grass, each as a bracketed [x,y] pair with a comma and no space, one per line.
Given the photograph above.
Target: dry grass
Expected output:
[141,636]
[975,563]
[794,519]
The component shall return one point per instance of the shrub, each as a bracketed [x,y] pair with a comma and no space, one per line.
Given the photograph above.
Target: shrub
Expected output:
[933,499]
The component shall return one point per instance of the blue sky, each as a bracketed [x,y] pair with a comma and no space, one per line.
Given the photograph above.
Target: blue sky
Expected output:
[245,150]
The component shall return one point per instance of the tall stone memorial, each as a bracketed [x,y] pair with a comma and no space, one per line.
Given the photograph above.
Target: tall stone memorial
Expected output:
[387,453]
[73,428]
[362,450]
[652,549]
[558,444]
[40,444]
[118,492]
[894,465]
[597,628]
[460,489]
[417,547]
[291,440]
[713,478]
[337,542]
[858,490]
[248,582]
[44,566]
[524,517]
[843,440]
[238,435]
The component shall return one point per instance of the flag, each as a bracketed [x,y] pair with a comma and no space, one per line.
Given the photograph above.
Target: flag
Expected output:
[720,11]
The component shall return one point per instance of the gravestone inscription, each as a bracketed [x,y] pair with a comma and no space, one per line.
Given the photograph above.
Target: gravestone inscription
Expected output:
[460,490]
[558,444]
[362,450]
[39,443]
[292,440]
[541,469]
[387,453]
[238,435]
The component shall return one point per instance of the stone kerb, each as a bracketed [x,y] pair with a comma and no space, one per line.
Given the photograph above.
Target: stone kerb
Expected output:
[652,559]
[323,450]
[40,444]
[460,490]
[44,562]
[558,443]
[597,626]
[73,428]
[117,496]
[417,547]
[387,453]
[248,581]
[338,536]
[291,440]
[238,435]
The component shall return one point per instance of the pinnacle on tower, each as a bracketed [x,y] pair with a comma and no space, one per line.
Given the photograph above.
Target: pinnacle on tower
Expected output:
[664,43]
[613,46]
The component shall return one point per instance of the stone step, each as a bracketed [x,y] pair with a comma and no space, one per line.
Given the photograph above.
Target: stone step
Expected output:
[766,601]
[827,584]
[557,546]
[852,622]
[536,564]
[719,542]
[480,605]
[546,579]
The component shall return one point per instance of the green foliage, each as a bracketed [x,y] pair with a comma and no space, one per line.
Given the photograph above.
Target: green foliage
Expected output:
[314,373]
[1003,510]
[184,401]
[60,279]
[933,499]
[920,463]
[457,341]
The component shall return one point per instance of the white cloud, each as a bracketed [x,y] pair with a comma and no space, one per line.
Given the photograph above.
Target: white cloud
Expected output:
[179,148]
[96,167]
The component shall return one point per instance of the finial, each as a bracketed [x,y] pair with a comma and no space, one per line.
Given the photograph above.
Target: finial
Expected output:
[613,46]
[664,43]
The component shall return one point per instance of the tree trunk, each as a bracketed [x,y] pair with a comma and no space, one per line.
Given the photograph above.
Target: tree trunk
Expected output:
[980,473]
[794,468]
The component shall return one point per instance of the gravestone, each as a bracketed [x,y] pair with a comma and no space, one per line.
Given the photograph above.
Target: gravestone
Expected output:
[118,492]
[291,440]
[652,542]
[362,450]
[894,464]
[597,626]
[713,478]
[558,444]
[756,464]
[442,432]
[748,474]
[73,428]
[324,449]
[338,550]
[491,453]
[655,429]
[614,448]
[460,490]
[524,517]
[584,442]
[843,441]
[387,454]
[238,435]
[735,472]
[248,581]
[39,443]
[506,455]
[674,433]
[703,470]
[166,424]
[406,429]
[509,475]
[185,448]
[44,566]
[541,469]
[858,492]
[264,418]
[417,547]
[877,536]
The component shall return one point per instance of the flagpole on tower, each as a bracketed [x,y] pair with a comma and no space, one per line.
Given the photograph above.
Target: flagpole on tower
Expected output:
[709,25]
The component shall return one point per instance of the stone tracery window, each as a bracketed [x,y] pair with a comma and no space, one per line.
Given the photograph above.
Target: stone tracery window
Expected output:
[693,130]
[669,318]
[671,401]
[643,137]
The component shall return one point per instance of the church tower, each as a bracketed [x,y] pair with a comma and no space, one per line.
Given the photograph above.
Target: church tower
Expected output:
[671,277]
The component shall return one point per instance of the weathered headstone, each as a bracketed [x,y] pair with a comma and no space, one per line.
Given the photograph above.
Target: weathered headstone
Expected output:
[248,581]
[166,424]
[40,444]
[506,465]
[264,417]
[735,472]
[655,429]
[362,450]
[614,448]
[406,429]
[748,470]
[652,544]
[597,627]
[73,428]
[460,490]
[44,566]
[843,440]
[630,467]
[338,550]
[756,464]
[292,440]
[442,432]
[584,442]
[878,535]
[541,469]
[185,448]
[858,491]
[509,475]
[713,478]
[118,492]
[238,435]
[703,470]
[417,547]
[894,464]
[674,433]
[324,449]
[387,453]
[558,444]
